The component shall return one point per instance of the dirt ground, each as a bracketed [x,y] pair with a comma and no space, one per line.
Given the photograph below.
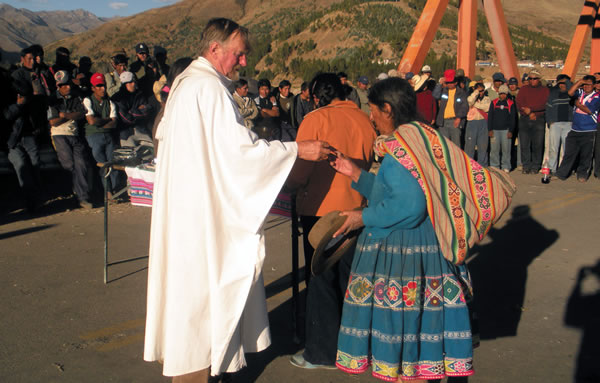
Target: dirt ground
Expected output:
[536,280]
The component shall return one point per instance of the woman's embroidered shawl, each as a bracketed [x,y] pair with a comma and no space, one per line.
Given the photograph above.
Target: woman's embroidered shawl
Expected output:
[464,199]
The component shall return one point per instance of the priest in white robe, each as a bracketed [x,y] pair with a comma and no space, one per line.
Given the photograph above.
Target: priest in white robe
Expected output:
[215,182]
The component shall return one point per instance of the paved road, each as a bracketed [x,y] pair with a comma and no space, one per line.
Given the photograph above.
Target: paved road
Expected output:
[61,323]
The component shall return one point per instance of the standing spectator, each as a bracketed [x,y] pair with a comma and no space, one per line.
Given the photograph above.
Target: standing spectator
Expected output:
[580,140]
[267,123]
[38,101]
[344,126]
[246,106]
[453,106]
[513,88]
[119,65]
[362,91]
[134,112]
[427,106]
[350,91]
[477,134]
[497,80]
[160,55]
[531,103]
[304,104]
[146,70]
[23,150]
[42,70]
[101,124]
[284,99]
[502,118]
[525,80]
[82,75]
[66,115]
[63,61]
[559,115]
[597,140]
[426,73]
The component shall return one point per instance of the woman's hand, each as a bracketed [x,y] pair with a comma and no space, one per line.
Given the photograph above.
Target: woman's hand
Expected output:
[353,222]
[345,166]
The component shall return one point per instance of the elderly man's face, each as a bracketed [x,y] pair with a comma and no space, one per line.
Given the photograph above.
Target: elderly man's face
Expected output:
[232,56]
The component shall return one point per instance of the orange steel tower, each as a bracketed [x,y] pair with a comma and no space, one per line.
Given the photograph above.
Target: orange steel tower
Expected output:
[429,22]
[588,21]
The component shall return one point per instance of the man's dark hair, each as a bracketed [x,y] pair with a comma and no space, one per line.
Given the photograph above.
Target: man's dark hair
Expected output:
[26,51]
[240,83]
[37,50]
[263,82]
[62,51]
[590,77]
[220,30]
[401,97]
[327,87]
[562,76]
[342,75]
[304,86]
[120,59]
[284,83]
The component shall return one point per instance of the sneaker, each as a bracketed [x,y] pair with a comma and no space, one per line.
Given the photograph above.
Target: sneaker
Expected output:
[299,361]
[86,204]
[506,170]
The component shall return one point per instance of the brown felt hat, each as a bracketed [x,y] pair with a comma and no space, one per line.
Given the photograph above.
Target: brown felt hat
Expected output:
[329,250]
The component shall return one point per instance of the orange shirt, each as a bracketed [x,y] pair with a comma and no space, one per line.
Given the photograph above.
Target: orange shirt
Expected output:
[320,188]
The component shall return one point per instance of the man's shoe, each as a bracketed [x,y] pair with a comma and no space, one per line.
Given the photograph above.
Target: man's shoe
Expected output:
[86,204]
[299,361]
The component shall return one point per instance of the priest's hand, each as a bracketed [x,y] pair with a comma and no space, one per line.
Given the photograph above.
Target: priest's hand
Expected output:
[313,150]
[353,222]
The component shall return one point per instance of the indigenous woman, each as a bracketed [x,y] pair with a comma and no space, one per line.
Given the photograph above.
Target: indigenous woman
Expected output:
[406,306]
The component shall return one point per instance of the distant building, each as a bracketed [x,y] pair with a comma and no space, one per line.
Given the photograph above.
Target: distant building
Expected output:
[483,63]
[525,64]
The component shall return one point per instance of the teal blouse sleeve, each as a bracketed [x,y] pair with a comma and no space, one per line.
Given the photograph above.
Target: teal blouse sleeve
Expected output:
[396,200]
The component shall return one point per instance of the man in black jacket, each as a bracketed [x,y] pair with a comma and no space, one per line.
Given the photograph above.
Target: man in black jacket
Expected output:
[453,107]
[134,112]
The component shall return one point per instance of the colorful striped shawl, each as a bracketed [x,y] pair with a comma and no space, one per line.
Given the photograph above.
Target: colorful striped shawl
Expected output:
[464,199]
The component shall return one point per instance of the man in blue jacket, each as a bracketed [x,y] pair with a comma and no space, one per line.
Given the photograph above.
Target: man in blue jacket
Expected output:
[453,106]
[580,140]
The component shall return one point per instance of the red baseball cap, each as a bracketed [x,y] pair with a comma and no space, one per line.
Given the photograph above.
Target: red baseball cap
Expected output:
[97,79]
[449,75]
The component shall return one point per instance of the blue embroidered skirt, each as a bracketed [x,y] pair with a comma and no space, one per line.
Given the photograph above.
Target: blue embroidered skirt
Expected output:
[405,310]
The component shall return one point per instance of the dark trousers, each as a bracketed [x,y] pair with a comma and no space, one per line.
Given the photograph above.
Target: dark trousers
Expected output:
[72,154]
[324,304]
[531,142]
[25,158]
[577,144]
[103,146]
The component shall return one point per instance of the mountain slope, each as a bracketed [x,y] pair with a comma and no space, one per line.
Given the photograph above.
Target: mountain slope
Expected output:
[21,27]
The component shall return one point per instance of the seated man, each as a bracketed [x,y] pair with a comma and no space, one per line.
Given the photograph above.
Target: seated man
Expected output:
[134,112]
[66,115]
[247,108]
[100,129]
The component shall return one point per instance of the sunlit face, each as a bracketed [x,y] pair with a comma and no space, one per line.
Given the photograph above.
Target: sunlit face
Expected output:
[562,86]
[362,86]
[131,86]
[231,56]
[263,91]
[285,91]
[534,81]
[143,56]
[588,86]
[64,89]
[382,120]
[512,87]
[100,90]
[243,91]
[27,61]
[343,80]
[120,68]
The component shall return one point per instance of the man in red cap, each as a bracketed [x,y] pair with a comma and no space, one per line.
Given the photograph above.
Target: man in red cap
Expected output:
[453,106]
[101,121]
[66,115]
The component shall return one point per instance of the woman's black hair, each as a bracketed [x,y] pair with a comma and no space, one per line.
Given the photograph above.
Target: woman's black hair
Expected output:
[178,66]
[326,87]
[401,97]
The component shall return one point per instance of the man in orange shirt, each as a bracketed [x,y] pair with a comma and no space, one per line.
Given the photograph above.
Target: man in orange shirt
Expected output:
[321,190]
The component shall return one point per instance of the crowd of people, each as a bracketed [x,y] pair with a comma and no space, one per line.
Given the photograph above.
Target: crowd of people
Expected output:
[84,115]
[400,301]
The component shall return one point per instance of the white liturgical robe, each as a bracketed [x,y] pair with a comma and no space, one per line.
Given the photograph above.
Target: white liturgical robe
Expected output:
[215,182]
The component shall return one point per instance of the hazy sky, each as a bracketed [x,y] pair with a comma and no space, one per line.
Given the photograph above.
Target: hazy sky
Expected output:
[102,8]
